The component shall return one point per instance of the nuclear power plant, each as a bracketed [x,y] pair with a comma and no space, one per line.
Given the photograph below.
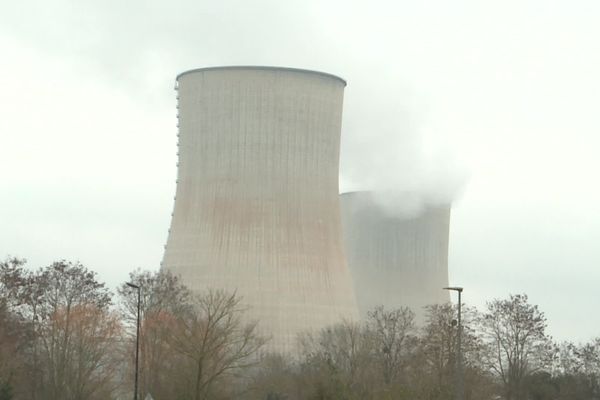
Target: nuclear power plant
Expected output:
[257,209]
[395,260]
[257,206]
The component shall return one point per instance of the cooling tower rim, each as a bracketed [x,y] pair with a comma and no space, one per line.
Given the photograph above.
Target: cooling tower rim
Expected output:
[371,194]
[259,67]
[356,191]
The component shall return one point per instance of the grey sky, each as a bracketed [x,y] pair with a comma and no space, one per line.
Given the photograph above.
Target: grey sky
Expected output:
[495,103]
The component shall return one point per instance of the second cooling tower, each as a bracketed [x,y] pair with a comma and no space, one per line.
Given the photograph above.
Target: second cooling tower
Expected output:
[257,207]
[395,260]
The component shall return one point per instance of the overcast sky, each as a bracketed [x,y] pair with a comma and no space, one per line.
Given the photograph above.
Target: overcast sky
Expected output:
[494,104]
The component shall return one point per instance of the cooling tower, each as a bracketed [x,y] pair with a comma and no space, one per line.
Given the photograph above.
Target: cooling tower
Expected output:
[257,207]
[395,260]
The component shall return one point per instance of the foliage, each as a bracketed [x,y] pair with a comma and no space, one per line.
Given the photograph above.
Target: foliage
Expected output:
[189,342]
[61,338]
[6,392]
[67,331]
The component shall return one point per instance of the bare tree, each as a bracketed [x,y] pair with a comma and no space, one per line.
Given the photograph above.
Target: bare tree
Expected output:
[12,336]
[85,358]
[394,338]
[276,377]
[517,342]
[189,343]
[16,330]
[338,362]
[576,372]
[433,366]
[163,299]
[68,354]
[214,342]
[11,273]
[12,281]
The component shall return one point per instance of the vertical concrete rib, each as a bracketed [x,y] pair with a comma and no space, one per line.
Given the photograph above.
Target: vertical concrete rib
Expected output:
[395,261]
[257,206]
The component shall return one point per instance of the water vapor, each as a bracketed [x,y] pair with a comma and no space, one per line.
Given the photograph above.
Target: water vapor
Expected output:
[390,147]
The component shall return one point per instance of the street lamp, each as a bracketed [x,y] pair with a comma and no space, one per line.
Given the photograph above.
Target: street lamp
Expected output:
[459,373]
[137,340]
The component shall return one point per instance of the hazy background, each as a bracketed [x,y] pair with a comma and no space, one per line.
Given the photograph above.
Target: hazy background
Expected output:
[493,103]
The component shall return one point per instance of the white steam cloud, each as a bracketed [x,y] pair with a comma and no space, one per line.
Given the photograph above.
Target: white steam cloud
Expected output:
[392,149]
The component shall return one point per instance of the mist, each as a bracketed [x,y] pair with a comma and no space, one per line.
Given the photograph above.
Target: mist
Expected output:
[388,148]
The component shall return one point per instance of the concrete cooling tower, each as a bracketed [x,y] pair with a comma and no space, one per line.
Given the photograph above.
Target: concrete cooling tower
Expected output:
[257,207]
[395,261]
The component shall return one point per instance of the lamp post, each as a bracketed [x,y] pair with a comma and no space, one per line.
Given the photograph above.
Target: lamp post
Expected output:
[137,341]
[459,364]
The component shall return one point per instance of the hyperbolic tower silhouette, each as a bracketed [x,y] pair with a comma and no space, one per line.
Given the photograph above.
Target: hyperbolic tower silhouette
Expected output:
[257,207]
[396,261]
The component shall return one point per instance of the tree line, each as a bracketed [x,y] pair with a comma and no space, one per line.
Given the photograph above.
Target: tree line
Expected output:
[65,336]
